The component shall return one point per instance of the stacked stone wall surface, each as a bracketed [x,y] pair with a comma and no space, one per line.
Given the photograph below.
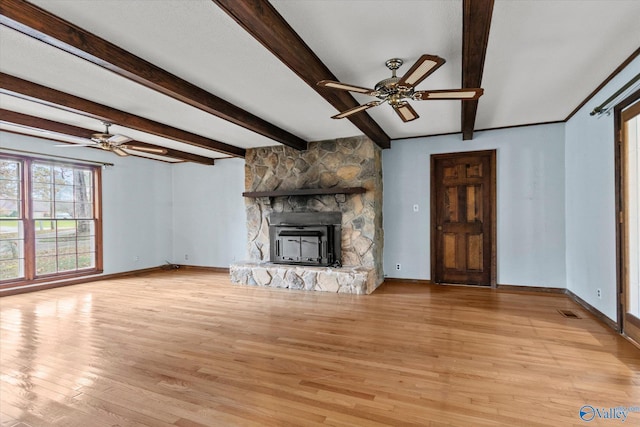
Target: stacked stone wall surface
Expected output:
[344,162]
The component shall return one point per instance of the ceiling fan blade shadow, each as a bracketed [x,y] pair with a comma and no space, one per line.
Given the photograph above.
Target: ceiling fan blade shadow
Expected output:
[152,150]
[461,94]
[424,66]
[405,111]
[348,87]
[357,109]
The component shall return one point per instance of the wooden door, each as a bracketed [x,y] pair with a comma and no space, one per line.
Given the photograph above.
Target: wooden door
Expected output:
[463,218]
[627,119]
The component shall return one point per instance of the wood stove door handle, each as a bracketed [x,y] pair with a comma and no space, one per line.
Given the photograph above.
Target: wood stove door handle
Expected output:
[277,247]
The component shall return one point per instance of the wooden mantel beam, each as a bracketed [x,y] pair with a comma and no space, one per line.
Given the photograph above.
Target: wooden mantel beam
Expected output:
[260,19]
[24,89]
[476,21]
[13,117]
[48,28]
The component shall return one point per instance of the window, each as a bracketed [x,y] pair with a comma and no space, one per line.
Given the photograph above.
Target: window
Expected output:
[49,220]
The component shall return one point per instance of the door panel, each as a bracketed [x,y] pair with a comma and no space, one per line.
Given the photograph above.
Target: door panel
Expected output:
[463,218]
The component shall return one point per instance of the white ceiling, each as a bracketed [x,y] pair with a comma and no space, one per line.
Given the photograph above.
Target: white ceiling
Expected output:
[543,59]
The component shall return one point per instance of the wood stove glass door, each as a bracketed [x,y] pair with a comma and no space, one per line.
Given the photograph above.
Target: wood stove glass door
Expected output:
[290,248]
[310,248]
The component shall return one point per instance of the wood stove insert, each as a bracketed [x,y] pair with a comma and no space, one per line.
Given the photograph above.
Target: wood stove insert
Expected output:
[306,238]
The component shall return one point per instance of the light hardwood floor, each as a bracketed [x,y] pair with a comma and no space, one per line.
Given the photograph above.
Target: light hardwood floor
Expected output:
[188,348]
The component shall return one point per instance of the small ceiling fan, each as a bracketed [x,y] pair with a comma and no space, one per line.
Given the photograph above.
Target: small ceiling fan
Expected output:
[396,91]
[115,143]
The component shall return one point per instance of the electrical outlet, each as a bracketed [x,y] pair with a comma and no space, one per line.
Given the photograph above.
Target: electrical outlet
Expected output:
[416,208]
[186,257]
[599,293]
[136,258]
[398,266]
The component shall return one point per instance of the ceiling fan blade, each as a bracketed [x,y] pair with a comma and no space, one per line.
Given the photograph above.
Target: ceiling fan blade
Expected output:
[119,151]
[405,111]
[463,94]
[153,150]
[424,66]
[357,109]
[342,86]
[118,139]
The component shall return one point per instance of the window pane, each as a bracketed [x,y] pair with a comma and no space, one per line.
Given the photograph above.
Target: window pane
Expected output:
[84,210]
[63,175]
[11,229]
[67,262]
[45,238]
[86,260]
[44,226]
[64,193]
[64,210]
[86,228]
[9,189]
[11,249]
[9,169]
[9,208]
[41,191]
[46,265]
[66,245]
[41,173]
[84,185]
[86,243]
[12,269]
[42,209]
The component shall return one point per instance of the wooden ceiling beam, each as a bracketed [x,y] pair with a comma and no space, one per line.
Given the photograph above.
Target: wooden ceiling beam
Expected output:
[26,120]
[476,21]
[260,19]
[48,28]
[24,89]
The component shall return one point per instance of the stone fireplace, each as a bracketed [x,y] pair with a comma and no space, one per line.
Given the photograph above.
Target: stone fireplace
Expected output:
[339,178]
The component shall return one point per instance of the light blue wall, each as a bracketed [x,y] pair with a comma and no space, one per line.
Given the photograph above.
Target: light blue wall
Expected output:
[530,203]
[590,200]
[209,219]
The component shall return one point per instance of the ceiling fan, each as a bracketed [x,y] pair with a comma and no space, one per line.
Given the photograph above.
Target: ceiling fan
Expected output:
[116,143]
[396,91]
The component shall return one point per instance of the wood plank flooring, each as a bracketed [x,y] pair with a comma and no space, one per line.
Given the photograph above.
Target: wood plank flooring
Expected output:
[189,349]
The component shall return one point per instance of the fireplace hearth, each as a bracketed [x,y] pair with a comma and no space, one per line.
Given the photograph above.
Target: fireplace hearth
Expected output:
[306,238]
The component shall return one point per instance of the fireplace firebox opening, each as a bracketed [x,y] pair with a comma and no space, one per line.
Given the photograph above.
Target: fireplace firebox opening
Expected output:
[306,238]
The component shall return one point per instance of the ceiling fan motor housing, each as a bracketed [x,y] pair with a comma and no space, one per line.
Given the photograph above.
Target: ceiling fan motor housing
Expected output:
[388,90]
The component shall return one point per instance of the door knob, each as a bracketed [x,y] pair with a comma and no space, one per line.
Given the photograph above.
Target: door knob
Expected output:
[439,228]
